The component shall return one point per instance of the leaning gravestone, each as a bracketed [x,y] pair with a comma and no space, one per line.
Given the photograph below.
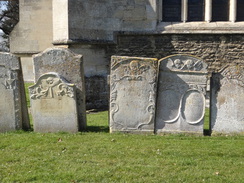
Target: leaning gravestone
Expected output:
[13,108]
[132,94]
[181,94]
[70,66]
[227,100]
[53,104]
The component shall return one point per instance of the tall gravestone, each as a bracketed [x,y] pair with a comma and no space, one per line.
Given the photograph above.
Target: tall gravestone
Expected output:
[53,104]
[227,100]
[13,107]
[181,94]
[132,94]
[70,66]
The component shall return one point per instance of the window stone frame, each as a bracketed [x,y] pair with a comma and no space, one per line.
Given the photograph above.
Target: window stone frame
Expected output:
[207,11]
[207,26]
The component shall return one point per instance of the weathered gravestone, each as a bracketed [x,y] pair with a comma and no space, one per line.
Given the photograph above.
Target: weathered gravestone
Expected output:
[53,104]
[181,94]
[13,107]
[70,66]
[227,100]
[132,94]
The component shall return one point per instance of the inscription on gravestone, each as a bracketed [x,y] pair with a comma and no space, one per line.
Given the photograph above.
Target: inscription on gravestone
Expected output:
[13,108]
[227,104]
[70,66]
[53,104]
[132,94]
[181,94]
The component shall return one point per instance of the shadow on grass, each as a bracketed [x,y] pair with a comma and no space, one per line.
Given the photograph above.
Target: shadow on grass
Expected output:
[97,129]
[206,132]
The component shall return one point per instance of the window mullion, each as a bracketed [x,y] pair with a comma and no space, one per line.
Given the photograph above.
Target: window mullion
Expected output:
[184,9]
[208,10]
[233,10]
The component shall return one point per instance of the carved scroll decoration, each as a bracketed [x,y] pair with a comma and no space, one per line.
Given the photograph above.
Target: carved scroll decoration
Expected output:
[49,87]
[66,90]
[191,88]
[133,71]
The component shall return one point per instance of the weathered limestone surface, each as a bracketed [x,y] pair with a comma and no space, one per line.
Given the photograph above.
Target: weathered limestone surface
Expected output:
[34,32]
[92,20]
[13,108]
[132,94]
[227,106]
[181,94]
[70,66]
[53,104]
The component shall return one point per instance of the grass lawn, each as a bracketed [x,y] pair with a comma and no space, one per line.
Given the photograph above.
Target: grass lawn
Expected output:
[97,156]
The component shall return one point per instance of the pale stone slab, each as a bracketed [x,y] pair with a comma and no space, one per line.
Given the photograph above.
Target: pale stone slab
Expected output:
[13,108]
[181,94]
[70,66]
[132,94]
[53,104]
[227,100]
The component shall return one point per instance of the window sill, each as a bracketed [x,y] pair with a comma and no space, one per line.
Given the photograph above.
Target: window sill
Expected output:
[201,27]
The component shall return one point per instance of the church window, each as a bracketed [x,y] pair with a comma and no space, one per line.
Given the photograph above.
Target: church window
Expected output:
[171,10]
[201,10]
[240,10]
[220,10]
[195,10]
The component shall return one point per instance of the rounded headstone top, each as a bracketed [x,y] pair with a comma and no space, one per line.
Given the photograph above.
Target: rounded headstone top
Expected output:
[183,63]
[55,55]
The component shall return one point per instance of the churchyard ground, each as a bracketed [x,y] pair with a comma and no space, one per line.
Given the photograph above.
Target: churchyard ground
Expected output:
[98,156]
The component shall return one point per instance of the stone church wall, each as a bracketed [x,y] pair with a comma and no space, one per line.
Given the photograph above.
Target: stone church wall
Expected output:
[217,50]
[95,21]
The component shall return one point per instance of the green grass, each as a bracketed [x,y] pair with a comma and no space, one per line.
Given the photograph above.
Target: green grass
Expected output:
[97,156]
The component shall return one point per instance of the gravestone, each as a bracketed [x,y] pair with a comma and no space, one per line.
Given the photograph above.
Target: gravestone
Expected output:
[53,104]
[13,107]
[227,100]
[132,94]
[70,66]
[181,94]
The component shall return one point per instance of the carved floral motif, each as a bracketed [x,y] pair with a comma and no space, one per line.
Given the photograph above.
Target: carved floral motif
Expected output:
[49,87]
[66,90]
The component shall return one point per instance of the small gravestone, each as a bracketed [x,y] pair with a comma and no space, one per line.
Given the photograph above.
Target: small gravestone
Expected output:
[53,104]
[70,66]
[13,108]
[132,94]
[181,94]
[227,100]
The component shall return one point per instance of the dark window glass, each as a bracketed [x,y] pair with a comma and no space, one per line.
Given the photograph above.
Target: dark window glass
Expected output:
[195,10]
[220,10]
[240,10]
[171,10]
